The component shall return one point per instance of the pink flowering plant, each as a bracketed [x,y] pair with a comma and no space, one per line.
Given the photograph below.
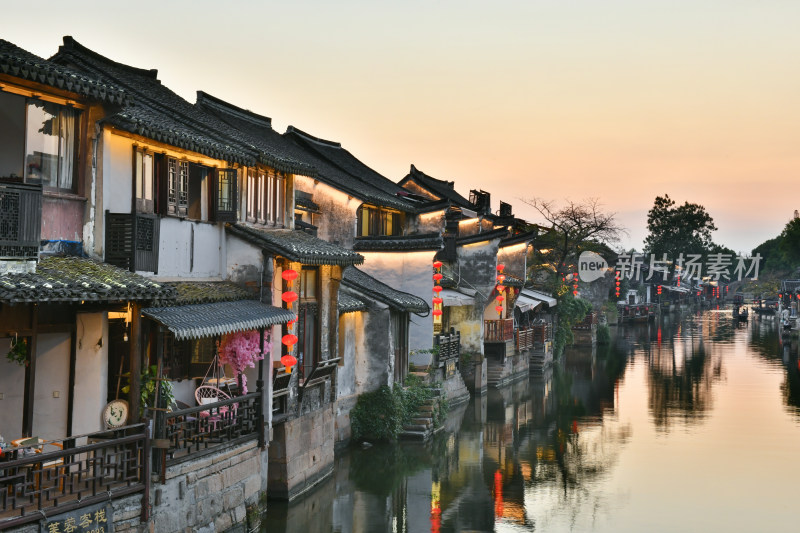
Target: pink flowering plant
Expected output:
[240,350]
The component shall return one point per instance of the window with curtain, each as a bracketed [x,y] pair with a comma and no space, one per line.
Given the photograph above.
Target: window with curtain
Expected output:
[51,144]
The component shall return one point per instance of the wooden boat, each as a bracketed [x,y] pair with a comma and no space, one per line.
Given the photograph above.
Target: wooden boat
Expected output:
[637,312]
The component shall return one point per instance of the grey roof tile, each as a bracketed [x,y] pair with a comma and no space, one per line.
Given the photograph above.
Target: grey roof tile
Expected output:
[74,279]
[15,61]
[425,241]
[369,286]
[297,246]
[219,318]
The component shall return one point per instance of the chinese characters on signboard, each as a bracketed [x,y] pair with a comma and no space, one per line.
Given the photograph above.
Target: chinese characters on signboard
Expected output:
[94,519]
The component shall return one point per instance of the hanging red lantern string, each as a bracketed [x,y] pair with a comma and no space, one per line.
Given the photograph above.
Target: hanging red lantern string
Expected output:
[500,267]
[288,361]
[437,288]
[289,276]
[501,278]
[437,277]
[500,298]
[437,301]
[437,264]
[499,309]
[437,312]
[500,288]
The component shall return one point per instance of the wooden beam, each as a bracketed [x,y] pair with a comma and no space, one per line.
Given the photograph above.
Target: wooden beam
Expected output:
[30,376]
[136,362]
[73,358]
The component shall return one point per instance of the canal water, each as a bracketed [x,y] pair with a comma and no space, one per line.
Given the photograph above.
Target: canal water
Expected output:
[690,424]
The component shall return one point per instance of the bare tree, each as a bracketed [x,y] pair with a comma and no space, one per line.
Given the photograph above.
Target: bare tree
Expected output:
[575,226]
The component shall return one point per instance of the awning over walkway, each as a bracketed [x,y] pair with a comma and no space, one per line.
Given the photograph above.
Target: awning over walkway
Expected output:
[527,303]
[206,320]
[546,298]
[451,297]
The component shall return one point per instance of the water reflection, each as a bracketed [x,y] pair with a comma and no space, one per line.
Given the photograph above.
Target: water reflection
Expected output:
[572,449]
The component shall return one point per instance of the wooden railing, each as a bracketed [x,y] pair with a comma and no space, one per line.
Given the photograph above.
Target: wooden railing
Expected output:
[498,330]
[111,465]
[196,431]
[524,339]
[20,220]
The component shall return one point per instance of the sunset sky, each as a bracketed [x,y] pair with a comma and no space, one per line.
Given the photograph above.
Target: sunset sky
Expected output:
[620,100]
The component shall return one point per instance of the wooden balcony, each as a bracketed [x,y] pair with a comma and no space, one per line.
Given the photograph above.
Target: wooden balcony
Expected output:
[20,221]
[37,482]
[498,330]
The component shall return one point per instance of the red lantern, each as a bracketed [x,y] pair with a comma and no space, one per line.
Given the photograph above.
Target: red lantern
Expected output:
[437,312]
[500,267]
[574,293]
[437,301]
[437,264]
[501,278]
[288,361]
[289,275]
[437,277]
[500,298]
[289,340]
[290,323]
[289,297]
[499,309]
[500,288]
[437,288]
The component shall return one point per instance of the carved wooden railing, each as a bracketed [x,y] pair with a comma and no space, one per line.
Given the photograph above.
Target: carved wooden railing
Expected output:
[196,431]
[20,220]
[111,465]
[498,330]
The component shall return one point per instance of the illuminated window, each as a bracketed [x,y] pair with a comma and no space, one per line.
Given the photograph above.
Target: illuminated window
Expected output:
[373,221]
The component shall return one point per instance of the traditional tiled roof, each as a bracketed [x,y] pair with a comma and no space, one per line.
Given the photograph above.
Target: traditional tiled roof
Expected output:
[347,303]
[426,241]
[339,169]
[15,61]
[513,281]
[443,189]
[369,286]
[481,237]
[158,112]
[203,292]
[74,279]
[527,236]
[296,246]
[219,318]
[275,151]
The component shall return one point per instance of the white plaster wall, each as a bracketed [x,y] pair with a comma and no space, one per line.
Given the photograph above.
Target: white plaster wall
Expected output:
[351,340]
[12,387]
[91,373]
[52,375]
[175,249]
[184,391]
[337,220]
[410,272]
[241,255]
[117,173]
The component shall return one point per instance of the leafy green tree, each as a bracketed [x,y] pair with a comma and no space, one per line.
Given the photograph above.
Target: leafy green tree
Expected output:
[674,229]
[790,243]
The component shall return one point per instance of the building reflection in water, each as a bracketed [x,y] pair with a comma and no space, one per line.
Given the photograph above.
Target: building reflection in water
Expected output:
[519,456]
